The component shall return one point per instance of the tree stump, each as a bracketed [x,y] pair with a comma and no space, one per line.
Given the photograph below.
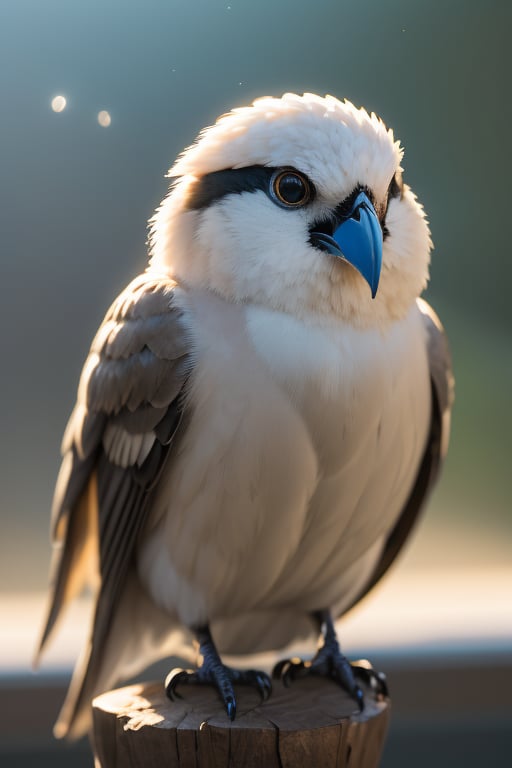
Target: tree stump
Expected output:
[311,724]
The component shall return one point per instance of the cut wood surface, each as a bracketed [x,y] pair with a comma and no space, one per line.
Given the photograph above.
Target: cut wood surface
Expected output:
[311,724]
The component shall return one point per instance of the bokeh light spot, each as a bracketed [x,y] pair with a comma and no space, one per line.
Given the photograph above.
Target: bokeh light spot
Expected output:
[104,118]
[59,103]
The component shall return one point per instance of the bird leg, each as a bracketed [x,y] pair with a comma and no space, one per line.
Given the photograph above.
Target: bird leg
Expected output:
[330,662]
[213,672]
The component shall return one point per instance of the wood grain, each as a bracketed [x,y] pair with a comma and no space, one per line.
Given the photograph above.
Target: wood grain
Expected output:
[312,724]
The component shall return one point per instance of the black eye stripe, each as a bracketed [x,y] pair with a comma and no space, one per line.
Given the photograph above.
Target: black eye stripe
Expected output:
[214,186]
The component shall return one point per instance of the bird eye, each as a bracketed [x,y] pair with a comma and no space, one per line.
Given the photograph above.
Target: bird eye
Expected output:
[289,189]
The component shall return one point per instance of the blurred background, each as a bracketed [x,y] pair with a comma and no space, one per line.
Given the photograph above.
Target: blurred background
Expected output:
[81,174]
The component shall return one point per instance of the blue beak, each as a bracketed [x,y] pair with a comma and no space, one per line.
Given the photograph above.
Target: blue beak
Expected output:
[357,240]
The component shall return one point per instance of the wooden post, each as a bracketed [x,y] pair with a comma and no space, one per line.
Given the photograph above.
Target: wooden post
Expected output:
[311,724]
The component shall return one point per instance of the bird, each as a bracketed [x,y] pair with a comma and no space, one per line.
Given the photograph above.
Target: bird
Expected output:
[262,413]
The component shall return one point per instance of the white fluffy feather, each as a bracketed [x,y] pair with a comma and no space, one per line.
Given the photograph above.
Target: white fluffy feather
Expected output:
[247,249]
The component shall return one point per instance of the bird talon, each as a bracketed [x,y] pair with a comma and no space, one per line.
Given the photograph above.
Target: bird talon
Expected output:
[176,677]
[359,697]
[213,672]
[288,677]
[329,662]
[277,672]
[230,708]
[264,686]
[381,684]
[376,680]
[288,670]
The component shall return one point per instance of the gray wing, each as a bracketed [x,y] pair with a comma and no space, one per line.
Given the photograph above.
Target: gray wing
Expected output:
[442,384]
[129,407]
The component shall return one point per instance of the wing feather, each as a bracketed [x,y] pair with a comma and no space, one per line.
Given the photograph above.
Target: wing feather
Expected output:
[130,405]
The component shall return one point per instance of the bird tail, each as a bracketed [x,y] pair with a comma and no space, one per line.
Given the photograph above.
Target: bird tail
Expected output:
[138,634]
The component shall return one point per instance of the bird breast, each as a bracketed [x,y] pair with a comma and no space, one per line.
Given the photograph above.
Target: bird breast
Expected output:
[301,446]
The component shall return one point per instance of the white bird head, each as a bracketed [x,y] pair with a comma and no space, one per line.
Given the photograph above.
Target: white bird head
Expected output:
[296,204]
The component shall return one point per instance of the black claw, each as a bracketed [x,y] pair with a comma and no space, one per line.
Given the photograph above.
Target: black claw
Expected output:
[230,707]
[289,674]
[359,697]
[288,677]
[264,686]
[288,670]
[376,680]
[277,672]
[382,684]
[176,677]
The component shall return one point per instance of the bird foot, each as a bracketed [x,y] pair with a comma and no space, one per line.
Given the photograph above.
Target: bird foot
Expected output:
[334,666]
[214,672]
[223,678]
[331,663]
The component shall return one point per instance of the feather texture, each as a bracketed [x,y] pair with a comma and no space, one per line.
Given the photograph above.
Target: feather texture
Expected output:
[442,383]
[130,404]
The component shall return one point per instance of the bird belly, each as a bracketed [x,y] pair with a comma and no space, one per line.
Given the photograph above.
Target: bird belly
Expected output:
[365,398]
[230,507]
[301,448]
